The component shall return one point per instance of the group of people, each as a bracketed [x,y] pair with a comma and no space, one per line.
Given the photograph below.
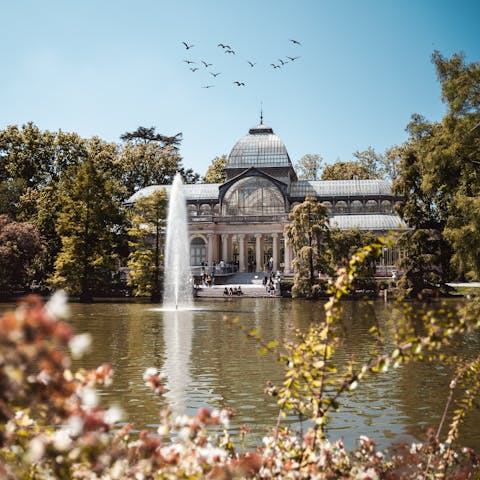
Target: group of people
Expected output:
[233,291]
[269,284]
[208,280]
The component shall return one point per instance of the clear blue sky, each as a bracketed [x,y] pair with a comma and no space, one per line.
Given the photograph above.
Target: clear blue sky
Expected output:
[106,67]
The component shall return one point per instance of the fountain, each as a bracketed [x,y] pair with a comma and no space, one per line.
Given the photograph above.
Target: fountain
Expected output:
[177,279]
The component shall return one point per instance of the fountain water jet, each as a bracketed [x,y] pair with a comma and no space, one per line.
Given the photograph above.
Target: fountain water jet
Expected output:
[178,279]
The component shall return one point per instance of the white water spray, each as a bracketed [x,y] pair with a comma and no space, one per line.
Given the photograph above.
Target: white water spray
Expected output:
[178,280]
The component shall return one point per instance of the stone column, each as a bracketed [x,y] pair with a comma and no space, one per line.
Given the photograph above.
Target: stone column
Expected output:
[258,252]
[276,250]
[241,253]
[210,249]
[225,250]
[216,248]
[288,258]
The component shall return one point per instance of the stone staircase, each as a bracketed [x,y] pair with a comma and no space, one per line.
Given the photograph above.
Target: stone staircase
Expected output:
[251,284]
[217,291]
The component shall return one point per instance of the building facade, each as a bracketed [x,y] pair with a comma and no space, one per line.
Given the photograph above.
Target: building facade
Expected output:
[240,223]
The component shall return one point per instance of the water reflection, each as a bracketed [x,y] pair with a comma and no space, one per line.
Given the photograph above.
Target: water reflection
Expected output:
[177,339]
[207,363]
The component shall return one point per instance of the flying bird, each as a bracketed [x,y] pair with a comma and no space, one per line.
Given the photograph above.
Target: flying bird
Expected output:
[224,46]
[295,42]
[207,64]
[188,61]
[292,58]
[281,61]
[229,51]
[215,74]
[208,86]
[252,64]
[239,84]
[194,69]
[187,46]
[275,66]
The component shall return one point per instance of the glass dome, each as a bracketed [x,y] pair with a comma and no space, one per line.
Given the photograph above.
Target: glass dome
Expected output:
[260,148]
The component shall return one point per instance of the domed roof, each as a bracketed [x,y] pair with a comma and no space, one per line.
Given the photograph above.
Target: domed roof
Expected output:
[260,148]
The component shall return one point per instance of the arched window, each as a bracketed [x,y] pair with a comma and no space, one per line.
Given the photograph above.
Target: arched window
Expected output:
[356,206]
[386,206]
[192,210]
[216,209]
[341,207]
[253,196]
[197,251]
[328,206]
[371,206]
[205,209]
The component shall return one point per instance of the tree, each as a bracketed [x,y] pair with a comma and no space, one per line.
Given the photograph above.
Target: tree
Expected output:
[307,233]
[146,135]
[463,232]
[89,218]
[310,166]
[342,244]
[421,263]
[21,255]
[216,170]
[148,158]
[145,261]
[25,162]
[439,169]
[347,171]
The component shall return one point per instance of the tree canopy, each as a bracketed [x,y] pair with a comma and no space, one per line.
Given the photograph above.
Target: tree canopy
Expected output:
[309,167]
[347,171]
[21,254]
[439,168]
[216,170]
[306,233]
[145,261]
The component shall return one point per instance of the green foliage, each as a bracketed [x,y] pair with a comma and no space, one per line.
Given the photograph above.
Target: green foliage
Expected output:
[347,171]
[49,427]
[307,233]
[145,261]
[87,223]
[216,170]
[149,158]
[342,244]
[463,233]
[421,263]
[309,167]
[439,169]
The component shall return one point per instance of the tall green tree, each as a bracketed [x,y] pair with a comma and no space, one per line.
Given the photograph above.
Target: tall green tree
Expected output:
[88,222]
[148,158]
[308,233]
[439,169]
[309,167]
[216,170]
[147,231]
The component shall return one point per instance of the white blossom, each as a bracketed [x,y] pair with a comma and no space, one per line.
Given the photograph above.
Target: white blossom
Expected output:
[150,372]
[80,344]
[113,415]
[88,397]
[57,306]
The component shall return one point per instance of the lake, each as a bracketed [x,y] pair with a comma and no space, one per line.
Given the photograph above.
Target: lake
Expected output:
[206,363]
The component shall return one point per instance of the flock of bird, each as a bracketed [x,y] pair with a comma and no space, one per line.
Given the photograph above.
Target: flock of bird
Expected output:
[195,65]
